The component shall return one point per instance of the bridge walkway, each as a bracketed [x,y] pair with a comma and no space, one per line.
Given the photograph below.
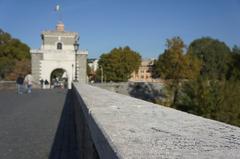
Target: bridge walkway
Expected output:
[38,125]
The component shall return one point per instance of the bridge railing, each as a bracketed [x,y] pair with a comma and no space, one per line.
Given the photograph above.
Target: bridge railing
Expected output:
[111,125]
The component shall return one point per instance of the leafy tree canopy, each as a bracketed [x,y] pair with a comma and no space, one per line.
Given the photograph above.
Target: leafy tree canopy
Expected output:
[212,71]
[174,64]
[11,52]
[118,64]
[213,99]
[214,54]
[234,65]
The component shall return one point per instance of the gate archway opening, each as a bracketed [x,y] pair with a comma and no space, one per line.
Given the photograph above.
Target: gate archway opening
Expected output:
[59,78]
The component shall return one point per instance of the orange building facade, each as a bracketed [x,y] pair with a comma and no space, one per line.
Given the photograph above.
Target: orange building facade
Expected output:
[144,73]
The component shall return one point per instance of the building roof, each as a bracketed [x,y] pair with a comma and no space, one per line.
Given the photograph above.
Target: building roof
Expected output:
[59,33]
[146,62]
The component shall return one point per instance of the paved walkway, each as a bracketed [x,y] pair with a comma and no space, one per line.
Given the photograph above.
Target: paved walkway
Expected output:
[33,126]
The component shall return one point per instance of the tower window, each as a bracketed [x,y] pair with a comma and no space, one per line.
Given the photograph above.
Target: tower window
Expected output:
[59,46]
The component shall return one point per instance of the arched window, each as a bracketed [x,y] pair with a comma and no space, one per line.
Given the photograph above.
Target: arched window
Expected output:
[59,46]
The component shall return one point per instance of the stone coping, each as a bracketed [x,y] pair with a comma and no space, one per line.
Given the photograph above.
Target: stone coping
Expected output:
[7,81]
[137,129]
[59,33]
[51,51]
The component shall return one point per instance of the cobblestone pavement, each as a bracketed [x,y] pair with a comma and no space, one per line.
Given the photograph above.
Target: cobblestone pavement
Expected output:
[32,125]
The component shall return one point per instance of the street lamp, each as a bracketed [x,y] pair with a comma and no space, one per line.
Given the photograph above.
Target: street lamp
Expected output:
[76,47]
[72,71]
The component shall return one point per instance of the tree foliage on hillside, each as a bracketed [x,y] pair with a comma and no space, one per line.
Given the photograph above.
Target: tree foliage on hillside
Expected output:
[215,57]
[214,99]
[118,64]
[13,53]
[175,65]
[234,65]
[204,80]
[200,97]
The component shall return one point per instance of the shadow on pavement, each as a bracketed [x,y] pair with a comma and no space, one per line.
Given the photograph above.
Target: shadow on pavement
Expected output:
[65,142]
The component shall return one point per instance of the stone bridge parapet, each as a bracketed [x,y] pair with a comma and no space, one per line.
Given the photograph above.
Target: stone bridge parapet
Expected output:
[111,125]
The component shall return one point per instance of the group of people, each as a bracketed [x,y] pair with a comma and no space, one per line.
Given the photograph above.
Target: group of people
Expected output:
[24,84]
[44,84]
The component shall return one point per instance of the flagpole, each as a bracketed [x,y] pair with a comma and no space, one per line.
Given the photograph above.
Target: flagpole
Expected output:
[58,11]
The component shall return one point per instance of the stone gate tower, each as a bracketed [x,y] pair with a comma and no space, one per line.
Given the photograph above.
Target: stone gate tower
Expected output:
[59,50]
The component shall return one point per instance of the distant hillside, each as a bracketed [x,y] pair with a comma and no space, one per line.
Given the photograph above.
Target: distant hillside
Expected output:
[14,57]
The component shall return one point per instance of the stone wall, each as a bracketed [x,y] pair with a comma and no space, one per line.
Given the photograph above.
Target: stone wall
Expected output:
[5,85]
[149,91]
[111,125]
[82,67]
[36,66]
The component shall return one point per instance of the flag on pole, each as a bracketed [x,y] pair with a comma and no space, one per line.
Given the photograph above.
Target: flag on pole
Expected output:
[57,8]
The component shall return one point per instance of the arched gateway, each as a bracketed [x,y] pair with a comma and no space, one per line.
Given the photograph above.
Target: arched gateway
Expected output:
[59,50]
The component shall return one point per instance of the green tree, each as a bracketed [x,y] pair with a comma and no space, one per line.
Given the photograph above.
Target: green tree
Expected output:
[170,64]
[173,64]
[6,66]
[200,97]
[214,54]
[12,52]
[214,99]
[205,80]
[228,110]
[234,65]
[118,64]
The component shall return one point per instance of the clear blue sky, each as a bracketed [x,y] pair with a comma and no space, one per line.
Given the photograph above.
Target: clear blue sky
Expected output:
[144,25]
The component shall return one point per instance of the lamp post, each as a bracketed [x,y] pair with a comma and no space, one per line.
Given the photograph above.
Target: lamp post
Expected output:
[76,47]
[72,71]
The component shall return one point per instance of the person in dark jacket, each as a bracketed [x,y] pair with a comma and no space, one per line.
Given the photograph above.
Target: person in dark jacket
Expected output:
[20,82]
[41,82]
[46,83]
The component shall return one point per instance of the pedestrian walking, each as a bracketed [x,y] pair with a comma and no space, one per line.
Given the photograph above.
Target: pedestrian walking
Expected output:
[46,83]
[41,82]
[28,81]
[19,82]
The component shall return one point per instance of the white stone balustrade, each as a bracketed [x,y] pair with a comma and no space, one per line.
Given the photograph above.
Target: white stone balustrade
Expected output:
[124,127]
